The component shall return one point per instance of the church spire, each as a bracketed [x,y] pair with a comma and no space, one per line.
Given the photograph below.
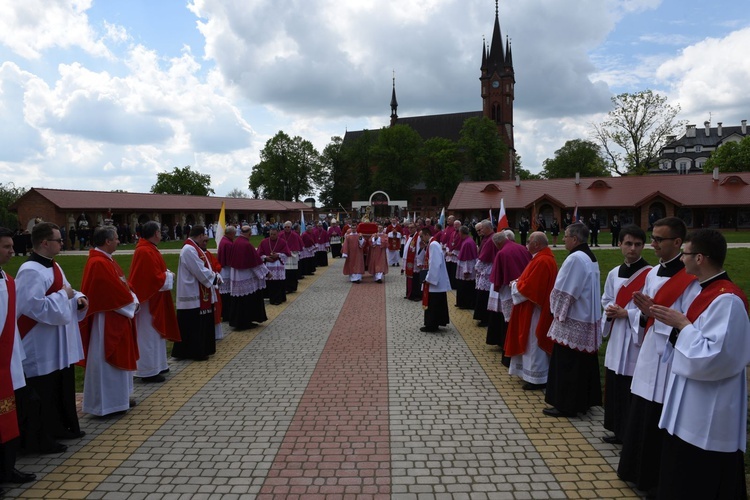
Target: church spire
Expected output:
[496,55]
[394,102]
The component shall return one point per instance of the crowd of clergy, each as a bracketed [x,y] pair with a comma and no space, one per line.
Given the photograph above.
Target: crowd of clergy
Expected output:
[678,334]
[678,331]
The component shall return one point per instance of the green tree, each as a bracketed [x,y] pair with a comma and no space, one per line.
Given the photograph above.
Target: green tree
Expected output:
[237,193]
[9,194]
[483,149]
[357,155]
[441,169]
[521,172]
[335,181]
[183,181]
[396,154]
[730,157]
[576,156]
[287,169]
[635,131]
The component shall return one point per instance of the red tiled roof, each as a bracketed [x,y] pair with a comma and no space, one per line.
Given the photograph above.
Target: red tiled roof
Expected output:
[698,190]
[72,200]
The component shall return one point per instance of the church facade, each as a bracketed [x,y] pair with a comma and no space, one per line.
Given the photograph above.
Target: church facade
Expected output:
[497,91]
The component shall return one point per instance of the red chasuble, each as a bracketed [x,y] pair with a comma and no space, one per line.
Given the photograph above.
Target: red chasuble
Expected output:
[107,289]
[147,275]
[8,416]
[535,283]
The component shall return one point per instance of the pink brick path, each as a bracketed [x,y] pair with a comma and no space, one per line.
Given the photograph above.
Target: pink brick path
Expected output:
[337,445]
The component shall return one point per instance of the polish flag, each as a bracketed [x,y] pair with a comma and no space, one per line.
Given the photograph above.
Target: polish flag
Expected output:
[502,219]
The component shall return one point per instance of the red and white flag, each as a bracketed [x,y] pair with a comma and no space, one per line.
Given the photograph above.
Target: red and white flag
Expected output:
[502,219]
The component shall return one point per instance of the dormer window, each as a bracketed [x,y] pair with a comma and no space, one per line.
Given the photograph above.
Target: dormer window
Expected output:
[665,164]
[698,148]
[680,149]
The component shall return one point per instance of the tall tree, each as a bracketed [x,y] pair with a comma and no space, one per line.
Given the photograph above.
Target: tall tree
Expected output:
[237,193]
[483,149]
[730,157]
[441,169]
[576,156]
[335,181]
[183,181]
[396,154]
[9,194]
[635,130]
[287,169]
[358,157]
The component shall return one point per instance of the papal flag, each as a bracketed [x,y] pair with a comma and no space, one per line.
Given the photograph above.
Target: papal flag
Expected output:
[222,224]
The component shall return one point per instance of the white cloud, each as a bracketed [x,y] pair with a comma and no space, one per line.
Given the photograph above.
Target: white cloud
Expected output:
[30,27]
[711,77]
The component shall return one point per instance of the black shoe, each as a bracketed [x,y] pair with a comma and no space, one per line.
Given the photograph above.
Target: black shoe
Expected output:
[155,379]
[612,439]
[483,323]
[55,448]
[528,386]
[379,281]
[71,435]
[554,412]
[429,330]
[19,477]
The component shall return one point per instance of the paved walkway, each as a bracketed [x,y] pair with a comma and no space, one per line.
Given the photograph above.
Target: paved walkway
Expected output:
[338,395]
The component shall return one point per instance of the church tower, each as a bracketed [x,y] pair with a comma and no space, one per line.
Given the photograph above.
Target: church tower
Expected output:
[498,87]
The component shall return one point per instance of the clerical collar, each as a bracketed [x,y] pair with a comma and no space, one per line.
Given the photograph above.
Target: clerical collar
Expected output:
[40,259]
[669,262]
[105,253]
[583,247]
[671,267]
[721,276]
[627,270]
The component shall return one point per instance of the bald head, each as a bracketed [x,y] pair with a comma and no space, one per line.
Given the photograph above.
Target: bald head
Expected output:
[537,241]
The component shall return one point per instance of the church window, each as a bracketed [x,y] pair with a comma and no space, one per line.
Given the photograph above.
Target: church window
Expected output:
[683,167]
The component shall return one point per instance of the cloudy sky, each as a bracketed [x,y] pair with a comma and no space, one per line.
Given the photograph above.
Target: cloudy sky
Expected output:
[103,95]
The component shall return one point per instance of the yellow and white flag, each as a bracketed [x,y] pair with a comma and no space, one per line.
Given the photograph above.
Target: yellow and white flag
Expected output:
[221,226]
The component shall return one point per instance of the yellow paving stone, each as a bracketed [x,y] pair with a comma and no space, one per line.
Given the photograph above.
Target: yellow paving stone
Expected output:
[115,445]
[580,469]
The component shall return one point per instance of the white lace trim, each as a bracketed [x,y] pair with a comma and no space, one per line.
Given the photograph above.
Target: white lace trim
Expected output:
[579,335]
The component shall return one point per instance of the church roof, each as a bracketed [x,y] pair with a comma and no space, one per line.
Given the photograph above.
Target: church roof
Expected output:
[447,126]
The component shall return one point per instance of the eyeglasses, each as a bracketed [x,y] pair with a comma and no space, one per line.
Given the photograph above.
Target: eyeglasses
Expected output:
[659,239]
[59,240]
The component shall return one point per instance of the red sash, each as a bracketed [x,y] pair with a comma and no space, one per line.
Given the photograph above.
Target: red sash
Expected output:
[25,324]
[411,254]
[670,292]
[8,417]
[708,294]
[635,284]
[205,292]
[425,283]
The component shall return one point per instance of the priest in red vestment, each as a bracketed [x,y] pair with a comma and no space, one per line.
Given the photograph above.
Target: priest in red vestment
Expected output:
[156,321]
[378,262]
[527,343]
[108,331]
